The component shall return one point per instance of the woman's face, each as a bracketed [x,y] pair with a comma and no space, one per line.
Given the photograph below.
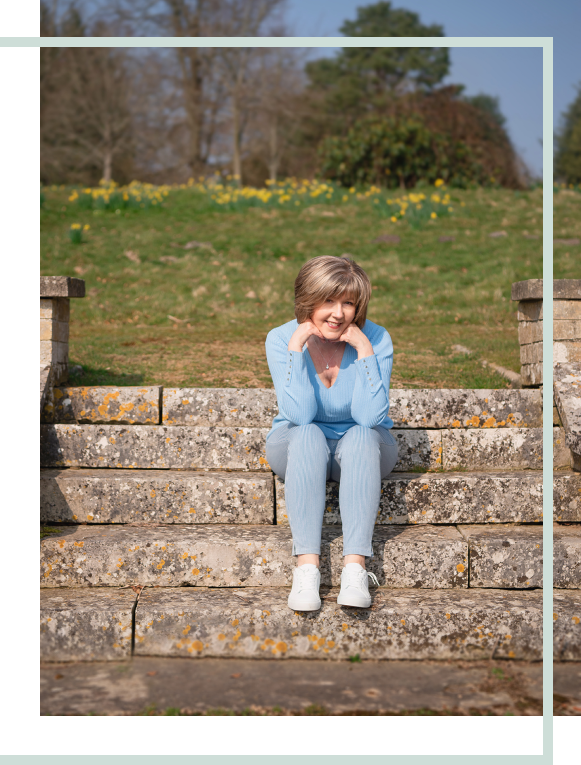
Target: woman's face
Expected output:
[334,316]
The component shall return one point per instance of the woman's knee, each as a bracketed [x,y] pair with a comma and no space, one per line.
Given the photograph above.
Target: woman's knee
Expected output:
[309,435]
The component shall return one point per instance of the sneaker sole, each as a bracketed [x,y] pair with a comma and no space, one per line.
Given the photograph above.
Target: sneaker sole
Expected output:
[302,606]
[354,602]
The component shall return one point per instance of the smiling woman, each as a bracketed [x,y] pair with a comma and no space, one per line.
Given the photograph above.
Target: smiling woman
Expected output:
[331,369]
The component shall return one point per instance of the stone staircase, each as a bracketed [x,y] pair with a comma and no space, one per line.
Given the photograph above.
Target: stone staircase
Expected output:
[168,533]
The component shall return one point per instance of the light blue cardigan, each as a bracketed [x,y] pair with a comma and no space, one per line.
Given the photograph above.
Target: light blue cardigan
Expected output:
[359,395]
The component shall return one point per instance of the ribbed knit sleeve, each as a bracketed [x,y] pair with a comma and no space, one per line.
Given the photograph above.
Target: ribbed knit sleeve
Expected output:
[294,390]
[370,402]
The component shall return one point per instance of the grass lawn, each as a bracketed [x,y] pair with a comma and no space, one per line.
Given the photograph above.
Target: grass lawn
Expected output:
[567,227]
[445,283]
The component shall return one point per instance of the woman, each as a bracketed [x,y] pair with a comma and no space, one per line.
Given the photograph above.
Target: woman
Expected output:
[331,369]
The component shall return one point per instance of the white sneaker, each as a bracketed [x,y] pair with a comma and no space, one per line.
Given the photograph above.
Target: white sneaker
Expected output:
[355,586]
[304,595]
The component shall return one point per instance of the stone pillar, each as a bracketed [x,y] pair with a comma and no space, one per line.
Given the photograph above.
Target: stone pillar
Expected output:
[55,294]
[566,325]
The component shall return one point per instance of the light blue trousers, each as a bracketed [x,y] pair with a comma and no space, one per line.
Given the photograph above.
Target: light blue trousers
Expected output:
[305,459]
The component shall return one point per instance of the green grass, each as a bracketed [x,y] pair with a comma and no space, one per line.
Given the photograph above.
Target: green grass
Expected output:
[429,294]
[567,225]
[46,531]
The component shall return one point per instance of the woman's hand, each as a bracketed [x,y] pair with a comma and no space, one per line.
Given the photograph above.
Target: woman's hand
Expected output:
[355,337]
[302,334]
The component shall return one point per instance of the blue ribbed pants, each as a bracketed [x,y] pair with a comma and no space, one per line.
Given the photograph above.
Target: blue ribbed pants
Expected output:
[305,459]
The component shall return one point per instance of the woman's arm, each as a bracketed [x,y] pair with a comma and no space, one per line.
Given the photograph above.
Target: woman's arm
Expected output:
[294,390]
[370,400]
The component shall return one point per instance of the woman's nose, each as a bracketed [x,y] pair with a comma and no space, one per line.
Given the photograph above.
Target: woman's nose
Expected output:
[338,310]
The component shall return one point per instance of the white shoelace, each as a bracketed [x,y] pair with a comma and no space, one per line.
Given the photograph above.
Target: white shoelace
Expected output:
[307,580]
[355,578]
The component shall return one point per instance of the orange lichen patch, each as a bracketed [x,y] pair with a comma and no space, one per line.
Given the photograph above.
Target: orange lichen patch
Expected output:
[197,645]
[262,461]
[269,641]
[254,637]
[575,619]
[47,573]
[62,543]
[186,630]
[89,517]
[234,622]
[161,565]
[511,654]
[448,616]
[425,487]
[508,637]
[79,544]
[184,556]
[294,634]
[490,422]
[344,626]
[402,621]
[474,421]
[265,614]
[331,643]
[460,567]
[456,424]
[152,493]
[237,635]
[74,517]
[439,457]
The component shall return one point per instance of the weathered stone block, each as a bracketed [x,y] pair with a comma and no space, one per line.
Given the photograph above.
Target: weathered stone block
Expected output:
[127,405]
[226,556]
[85,624]
[561,452]
[530,311]
[567,625]
[418,448]
[57,309]
[567,390]
[567,497]
[408,408]
[530,332]
[181,447]
[531,354]
[530,289]
[532,374]
[146,446]
[567,352]
[401,624]
[57,331]
[567,330]
[444,498]
[504,449]
[227,407]
[61,286]
[566,309]
[505,556]
[80,495]
[45,383]
[567,557]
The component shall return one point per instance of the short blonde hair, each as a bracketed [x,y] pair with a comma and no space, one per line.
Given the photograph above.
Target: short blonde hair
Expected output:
[327,276]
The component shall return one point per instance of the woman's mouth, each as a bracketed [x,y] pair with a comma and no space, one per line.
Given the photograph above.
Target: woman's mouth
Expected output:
[332,325]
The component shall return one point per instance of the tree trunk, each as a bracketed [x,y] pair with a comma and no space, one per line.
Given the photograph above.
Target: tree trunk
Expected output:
[273,159]
[236,130]
[107,165]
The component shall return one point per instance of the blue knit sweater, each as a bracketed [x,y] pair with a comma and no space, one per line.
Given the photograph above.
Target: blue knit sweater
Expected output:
[359,395]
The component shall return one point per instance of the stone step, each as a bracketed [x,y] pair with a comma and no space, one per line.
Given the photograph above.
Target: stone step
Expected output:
[257,623]
[231,556]
[214,448]
[567,496]
[480,497]
[256,407]
[85,495]
[432,408]
[128,405]
[512,556]
[567,625]
[91,495]
[85,624]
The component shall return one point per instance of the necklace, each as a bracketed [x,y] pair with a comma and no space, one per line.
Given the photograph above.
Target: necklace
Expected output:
[324,359]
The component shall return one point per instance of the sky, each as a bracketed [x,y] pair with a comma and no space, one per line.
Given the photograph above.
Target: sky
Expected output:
[512,74]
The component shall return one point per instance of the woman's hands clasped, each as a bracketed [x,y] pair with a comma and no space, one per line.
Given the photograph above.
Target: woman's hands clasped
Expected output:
[356,338]
[302,334]
[352,335]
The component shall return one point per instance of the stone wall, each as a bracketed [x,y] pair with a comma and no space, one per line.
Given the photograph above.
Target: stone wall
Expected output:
[55,294]
[566,325]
